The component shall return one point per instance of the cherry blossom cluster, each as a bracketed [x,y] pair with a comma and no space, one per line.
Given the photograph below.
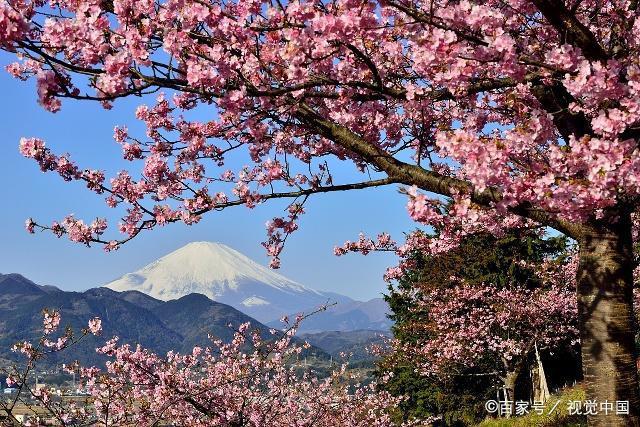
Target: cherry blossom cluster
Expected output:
[18,376]
[463,326]
[471,324]
[13,24]
[496,107]
[247,381]
[51,321]
[365,245]
[278,230]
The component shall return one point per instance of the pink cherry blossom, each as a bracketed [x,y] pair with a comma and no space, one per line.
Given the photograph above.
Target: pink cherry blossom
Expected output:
[487,117]
[217,385]
[51,321]
[95,326]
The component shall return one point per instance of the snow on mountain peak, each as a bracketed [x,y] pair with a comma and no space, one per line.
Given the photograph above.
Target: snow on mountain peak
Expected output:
[222,274]
[205,267]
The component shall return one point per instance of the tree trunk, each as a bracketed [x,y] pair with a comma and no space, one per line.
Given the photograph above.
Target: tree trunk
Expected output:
[605,310]
[540,390]
[509,387]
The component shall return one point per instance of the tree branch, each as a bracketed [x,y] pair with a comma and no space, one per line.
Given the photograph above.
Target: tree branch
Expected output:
[571,30]
[555,99]
[432,181]
[149,223]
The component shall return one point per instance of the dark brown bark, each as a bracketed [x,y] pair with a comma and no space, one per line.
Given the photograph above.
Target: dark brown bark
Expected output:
[570,29]
[605,309]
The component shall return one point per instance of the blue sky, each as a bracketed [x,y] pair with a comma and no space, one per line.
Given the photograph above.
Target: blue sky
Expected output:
[85,131]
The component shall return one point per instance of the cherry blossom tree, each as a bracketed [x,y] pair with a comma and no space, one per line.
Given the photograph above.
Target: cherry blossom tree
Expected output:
[510,298]
[515,112]
[219,385]
[471,326]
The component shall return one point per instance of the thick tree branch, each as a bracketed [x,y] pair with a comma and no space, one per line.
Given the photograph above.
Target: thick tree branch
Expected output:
[571,30]
[427,180]
[556,100]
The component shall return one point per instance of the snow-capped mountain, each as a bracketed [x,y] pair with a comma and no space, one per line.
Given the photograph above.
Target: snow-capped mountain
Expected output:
[224,275]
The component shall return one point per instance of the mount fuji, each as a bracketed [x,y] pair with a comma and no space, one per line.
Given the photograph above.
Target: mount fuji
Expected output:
[227,276]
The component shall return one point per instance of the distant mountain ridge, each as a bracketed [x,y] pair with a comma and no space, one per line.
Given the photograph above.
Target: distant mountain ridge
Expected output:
[160,326]
[355,343]
[348,316]
[227,276]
